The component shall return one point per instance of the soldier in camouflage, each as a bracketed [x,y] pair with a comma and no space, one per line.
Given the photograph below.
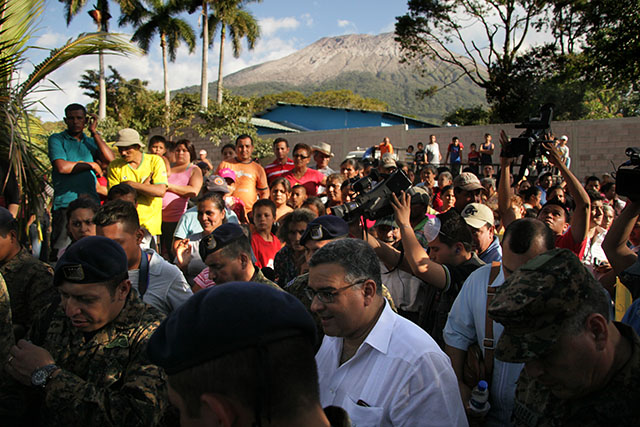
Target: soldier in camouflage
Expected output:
[6,331]
[227,252]
[86,363]
[28,279]
[581,368]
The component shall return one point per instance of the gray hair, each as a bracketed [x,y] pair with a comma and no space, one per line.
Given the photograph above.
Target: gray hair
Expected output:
[357,258]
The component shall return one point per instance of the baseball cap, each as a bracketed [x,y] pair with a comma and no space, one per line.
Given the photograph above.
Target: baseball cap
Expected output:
[227,318]
[467,181]
[535,300]
[216,183]
[128,137]
[227,173]
[476,215]
[387,161]
[564,138]
[93,259]
[325,227]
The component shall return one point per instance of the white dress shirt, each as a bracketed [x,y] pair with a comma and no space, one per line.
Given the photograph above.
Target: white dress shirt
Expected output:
[398,377]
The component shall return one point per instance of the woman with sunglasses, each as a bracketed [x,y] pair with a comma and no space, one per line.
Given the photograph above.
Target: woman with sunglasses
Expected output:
[301,174]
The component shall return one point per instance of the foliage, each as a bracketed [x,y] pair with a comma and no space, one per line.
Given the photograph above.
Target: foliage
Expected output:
[19,131]
[226,120]
[477,115]
[342,98]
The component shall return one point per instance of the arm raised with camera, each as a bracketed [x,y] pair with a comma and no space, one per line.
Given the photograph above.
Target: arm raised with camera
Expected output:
[615,247]
[505,205]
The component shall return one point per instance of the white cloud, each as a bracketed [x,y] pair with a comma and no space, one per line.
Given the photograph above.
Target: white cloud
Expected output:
[343,23]
[308,20]
[269,26]
[51,40]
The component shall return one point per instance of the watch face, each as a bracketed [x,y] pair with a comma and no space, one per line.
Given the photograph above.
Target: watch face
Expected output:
[39,377]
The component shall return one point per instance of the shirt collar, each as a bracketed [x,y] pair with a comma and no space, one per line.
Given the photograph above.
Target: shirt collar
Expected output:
[380,336]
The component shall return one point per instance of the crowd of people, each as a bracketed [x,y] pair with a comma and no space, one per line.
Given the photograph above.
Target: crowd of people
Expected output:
[179,292]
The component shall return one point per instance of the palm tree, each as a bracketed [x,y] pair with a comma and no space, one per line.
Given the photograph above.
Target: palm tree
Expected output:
[18,99]
[231,16]
[161,19]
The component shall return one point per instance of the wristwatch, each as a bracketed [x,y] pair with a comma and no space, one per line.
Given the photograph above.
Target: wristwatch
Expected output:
[40,376]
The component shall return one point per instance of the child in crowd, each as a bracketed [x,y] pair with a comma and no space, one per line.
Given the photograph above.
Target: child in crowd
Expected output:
[298,196]
[279,193]
[232,202]
[473,158]
[264,243]
[159,146]
[228,152]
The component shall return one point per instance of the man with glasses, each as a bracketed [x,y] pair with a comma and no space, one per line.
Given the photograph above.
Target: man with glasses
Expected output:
[381,368]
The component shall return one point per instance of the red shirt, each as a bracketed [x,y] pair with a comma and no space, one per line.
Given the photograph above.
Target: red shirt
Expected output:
[311,180]
[276,169]
[566,242]
[265,251]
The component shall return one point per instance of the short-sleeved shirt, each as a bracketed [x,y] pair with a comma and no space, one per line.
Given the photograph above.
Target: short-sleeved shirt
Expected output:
[311,180]
[454,152]
[264,251]
[566,241]
[68,187]
[250,177]
[385,147]
[433,153]
[149,207]
[276,169]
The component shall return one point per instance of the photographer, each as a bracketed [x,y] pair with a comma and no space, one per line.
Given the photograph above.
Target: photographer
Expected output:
[621,257]
[570,230]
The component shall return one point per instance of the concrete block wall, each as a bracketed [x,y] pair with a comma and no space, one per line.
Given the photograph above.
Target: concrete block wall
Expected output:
[595,146]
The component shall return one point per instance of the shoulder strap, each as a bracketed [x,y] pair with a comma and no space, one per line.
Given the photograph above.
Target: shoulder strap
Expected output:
[489,342]
[143,279]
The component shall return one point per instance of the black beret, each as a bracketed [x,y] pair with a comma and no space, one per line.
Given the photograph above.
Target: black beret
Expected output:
[93,259]
[220,238]
[325,227]
[6,219]
[227,318]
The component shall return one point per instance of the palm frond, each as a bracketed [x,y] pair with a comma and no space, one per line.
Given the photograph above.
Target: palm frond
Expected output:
[84,44]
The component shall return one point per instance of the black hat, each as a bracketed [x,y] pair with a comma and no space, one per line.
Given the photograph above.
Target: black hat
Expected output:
[325,227]
[7,220]
[227,318]
[93,259]
[220,238]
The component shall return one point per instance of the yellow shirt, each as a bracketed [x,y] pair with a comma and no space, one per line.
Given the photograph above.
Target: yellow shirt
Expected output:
[149,208]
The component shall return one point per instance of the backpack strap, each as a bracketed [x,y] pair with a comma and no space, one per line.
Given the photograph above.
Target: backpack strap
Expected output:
[489,343]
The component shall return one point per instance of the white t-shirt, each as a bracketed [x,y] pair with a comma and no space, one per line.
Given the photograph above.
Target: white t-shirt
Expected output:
[433,153]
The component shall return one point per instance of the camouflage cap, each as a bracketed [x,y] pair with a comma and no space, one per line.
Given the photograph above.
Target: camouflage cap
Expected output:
[535,300]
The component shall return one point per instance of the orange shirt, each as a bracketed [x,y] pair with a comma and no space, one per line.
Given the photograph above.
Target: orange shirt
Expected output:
[250,177]
[385,148]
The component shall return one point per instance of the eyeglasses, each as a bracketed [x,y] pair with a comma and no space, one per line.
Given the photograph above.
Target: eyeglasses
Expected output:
[325,295]
[300,156]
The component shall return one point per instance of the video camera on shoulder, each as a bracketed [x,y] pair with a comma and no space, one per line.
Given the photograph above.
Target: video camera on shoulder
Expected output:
[627,178]
[529,143]
[373,193]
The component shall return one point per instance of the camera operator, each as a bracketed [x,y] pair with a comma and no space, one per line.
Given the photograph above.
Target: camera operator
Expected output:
[621,257]
[570,230]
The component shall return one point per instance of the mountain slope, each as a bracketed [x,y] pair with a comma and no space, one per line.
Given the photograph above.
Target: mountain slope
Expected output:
[368,65]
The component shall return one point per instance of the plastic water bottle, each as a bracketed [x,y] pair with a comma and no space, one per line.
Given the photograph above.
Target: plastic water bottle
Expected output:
[479,402]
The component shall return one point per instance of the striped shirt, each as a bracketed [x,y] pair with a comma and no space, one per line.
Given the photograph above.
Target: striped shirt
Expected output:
[276,169]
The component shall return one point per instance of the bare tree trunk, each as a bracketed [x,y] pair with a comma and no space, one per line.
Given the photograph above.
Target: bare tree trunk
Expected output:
[102,101]
[165,66]
[204,84]
[222,37]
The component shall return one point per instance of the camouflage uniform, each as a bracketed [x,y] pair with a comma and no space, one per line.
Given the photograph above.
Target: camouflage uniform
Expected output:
[6,331]
[258,277]
[30,286]
[106,380]
[533,305]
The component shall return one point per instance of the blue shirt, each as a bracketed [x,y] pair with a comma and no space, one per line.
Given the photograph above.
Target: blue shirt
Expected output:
[492,253]
[68,187]
[189,224]
[465,326]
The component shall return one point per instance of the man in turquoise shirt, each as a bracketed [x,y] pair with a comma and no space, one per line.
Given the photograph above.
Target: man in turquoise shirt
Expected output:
[73,156]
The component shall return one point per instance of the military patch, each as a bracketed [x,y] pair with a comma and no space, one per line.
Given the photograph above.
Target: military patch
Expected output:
[73,272]
[120,341]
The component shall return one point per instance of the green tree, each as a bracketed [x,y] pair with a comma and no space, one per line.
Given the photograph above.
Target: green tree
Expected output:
[342,98]
[231,16]
[161,19]
[226,120]
[19,130]
[473,116]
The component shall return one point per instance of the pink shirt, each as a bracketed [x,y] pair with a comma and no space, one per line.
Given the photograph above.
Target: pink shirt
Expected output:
[173,206]
[310,180]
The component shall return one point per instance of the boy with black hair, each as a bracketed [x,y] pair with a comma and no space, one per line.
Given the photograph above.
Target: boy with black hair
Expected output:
[264,243]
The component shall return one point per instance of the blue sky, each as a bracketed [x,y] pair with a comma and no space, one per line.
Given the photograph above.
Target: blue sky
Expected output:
[286,25]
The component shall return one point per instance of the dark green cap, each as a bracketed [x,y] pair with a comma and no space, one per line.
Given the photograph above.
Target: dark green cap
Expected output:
[535,300]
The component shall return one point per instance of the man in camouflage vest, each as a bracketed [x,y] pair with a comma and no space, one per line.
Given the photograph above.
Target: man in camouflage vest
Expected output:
[581,368]
[85,363]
